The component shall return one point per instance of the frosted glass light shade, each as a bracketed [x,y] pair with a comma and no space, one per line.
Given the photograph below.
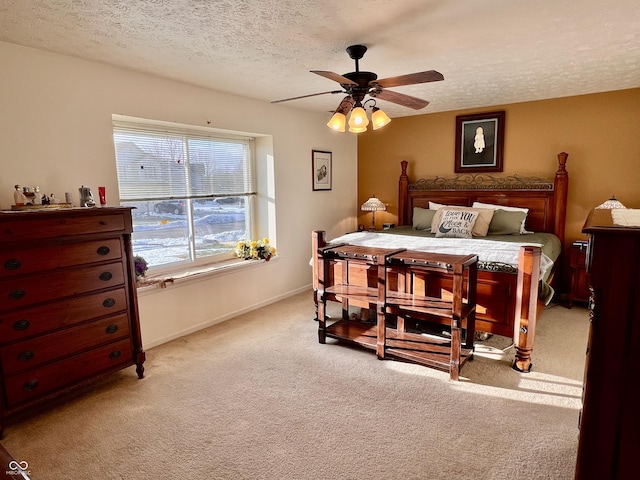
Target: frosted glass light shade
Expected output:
[337,122]
[358,118]
[379,118]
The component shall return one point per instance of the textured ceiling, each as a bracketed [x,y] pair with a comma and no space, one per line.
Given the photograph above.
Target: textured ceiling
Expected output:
[490,52]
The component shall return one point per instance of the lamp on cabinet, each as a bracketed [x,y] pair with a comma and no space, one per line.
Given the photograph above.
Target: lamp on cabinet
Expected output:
[373,205]
[610,204]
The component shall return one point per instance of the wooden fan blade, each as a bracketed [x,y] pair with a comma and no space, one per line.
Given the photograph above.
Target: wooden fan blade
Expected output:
[346,105]
[410,79]
[402,99]
[305,96]
[334,76]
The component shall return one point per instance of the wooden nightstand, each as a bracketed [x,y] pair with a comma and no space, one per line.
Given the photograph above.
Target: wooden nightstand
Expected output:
[579,278]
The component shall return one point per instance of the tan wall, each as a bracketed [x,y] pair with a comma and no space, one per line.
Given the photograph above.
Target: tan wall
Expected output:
[601,133]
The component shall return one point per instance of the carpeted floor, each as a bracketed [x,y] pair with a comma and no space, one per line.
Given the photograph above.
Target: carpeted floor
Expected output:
[257,397]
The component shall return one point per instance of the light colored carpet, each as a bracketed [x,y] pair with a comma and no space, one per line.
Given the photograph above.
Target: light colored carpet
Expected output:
[257,397]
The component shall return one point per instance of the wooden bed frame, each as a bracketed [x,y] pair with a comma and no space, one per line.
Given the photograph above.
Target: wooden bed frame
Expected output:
[508,303]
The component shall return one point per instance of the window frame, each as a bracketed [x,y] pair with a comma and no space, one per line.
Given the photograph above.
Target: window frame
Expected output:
[188,132]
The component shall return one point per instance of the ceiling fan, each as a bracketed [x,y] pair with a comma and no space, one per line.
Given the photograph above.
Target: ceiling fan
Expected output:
[357,85]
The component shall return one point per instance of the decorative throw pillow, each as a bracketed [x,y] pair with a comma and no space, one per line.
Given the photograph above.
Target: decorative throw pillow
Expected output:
[506,222]
[481,226]
[422,218]
[456,223]
[508,209]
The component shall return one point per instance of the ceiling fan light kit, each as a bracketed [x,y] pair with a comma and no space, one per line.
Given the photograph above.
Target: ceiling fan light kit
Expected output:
[357,85]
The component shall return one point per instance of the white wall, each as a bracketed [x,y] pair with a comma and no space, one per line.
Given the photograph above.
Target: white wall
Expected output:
[56,132]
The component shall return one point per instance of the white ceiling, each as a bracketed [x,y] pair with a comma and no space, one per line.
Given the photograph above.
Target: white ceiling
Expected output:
[491,52]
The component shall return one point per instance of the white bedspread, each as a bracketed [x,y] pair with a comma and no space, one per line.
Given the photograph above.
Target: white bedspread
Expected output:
[487,250]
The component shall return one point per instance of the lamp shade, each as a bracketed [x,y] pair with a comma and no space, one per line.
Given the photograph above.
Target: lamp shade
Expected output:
[358,118]
[379,118]
[338,122]
[373,205]
[610,204]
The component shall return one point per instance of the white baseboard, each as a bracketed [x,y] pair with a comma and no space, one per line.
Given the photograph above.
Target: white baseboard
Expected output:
[226,317]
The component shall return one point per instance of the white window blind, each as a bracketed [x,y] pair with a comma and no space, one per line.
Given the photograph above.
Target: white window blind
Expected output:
[156,162]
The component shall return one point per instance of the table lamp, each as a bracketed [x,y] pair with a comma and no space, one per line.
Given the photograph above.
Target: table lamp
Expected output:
[373,205]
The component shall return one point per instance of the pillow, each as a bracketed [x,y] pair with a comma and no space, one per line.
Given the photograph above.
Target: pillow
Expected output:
[456,223]
[481,226]
[508,209]
[506,222]
[422,218]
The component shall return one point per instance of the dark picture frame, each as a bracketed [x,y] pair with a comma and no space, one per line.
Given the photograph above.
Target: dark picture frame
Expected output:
[482,154]
[321,171]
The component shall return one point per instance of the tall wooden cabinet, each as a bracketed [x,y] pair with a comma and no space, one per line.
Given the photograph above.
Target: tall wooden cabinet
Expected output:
[610,417]
[68,304]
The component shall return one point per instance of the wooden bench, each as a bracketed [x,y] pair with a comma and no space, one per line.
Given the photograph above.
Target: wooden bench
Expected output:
[396,283]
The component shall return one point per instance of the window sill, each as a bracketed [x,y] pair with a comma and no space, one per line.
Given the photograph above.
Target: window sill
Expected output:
[226,267]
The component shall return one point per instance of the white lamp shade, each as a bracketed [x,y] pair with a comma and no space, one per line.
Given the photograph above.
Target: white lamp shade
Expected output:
[373,205]
[610,204]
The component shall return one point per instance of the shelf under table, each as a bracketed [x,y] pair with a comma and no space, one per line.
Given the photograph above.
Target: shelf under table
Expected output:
[429,350]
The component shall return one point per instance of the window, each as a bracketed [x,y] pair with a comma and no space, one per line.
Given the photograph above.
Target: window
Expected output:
[194,191]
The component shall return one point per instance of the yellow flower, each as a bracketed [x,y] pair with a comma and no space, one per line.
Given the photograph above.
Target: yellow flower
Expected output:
[253,244]
[265,240]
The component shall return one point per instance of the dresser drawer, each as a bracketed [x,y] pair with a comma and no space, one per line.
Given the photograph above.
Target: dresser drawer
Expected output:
[25,291]
[37,226]
[31,385]
[27,322]
[32,260]
[47,348]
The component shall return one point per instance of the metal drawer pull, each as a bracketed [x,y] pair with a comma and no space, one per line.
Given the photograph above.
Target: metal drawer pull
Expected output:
[104,250]
[109,302]
[30,385]
[113,328]
[21,324]
[105,276]
[17,294]
[12,264]
[26,356]
[115,354]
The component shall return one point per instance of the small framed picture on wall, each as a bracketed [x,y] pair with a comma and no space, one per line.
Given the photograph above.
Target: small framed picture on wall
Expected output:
[479,142]
[321,170]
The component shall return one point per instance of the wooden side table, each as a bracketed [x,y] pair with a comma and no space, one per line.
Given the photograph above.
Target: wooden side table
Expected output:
[579,291]
[416,297]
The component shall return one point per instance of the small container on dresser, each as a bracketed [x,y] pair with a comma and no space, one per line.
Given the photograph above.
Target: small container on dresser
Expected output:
[68,311]
[610,417]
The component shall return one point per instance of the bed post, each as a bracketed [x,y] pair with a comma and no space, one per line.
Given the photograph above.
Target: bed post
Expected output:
[403,195]
[526,306]
[317,241]
[561,186]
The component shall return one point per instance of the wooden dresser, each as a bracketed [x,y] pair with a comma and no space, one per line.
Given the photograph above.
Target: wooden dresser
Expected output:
[610,417]
[68,304]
